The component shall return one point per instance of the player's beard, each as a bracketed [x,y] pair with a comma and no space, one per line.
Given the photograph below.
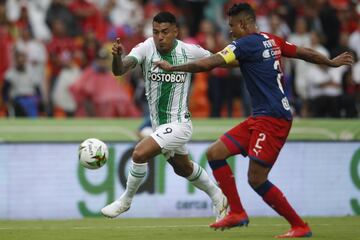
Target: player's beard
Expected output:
[163,49]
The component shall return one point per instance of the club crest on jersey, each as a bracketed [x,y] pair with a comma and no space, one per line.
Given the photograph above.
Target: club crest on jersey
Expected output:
[266,53]
[167,77]
[285,104]
[273,52]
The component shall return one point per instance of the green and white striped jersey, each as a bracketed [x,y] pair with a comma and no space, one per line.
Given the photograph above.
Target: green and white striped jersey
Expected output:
[167,92]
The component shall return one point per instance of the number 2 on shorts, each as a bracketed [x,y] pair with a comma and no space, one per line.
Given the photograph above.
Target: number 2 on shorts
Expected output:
[260,139]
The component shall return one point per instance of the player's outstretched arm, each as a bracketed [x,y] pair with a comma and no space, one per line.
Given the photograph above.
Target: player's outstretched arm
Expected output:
[201,65]
[310,55]
[119,65]
[233,64]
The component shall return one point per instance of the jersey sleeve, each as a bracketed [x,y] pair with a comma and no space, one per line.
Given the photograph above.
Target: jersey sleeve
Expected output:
[228,53]
[287,49]
[9,75]
[138,52]
[198,52]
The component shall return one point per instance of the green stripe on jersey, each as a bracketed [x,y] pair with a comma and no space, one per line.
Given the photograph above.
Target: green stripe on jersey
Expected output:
[182,89]
[165,94]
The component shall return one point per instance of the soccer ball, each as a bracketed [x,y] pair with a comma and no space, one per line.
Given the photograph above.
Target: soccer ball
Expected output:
[93,153]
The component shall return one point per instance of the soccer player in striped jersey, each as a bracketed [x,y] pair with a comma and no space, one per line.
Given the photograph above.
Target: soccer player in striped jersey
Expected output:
[263,134]
[167,94]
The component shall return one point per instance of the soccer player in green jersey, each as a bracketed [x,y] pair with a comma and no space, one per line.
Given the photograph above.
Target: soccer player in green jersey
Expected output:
[167,94]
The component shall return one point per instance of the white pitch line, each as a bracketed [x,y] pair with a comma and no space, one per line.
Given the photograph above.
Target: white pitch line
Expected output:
[155,227]
[109,227]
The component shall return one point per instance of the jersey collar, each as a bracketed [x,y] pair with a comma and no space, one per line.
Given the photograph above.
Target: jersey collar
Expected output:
[169,53]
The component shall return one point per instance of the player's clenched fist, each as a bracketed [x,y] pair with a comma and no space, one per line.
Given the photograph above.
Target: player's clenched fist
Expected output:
[164,65]
[344,58]
[117,48]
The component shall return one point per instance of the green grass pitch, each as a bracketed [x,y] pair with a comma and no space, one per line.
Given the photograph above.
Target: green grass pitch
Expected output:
[334,228]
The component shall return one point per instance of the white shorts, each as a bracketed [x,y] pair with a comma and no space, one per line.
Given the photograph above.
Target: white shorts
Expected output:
[172,138]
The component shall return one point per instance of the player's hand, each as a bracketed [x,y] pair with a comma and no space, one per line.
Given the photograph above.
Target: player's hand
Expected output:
[164,65]
[117,48]
[345,58]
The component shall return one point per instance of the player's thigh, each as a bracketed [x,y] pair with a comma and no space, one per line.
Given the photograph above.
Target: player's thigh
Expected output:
[267,138]
[218,151]
[146,149]
[173,136]
[237,139]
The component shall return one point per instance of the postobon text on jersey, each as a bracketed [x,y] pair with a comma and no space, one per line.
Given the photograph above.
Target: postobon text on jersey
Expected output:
[167,77]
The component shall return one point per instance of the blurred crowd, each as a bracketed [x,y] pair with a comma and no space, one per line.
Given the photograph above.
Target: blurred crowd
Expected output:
[55,56]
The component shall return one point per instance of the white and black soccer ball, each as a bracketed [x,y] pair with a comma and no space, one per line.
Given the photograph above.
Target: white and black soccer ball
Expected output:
[93,153]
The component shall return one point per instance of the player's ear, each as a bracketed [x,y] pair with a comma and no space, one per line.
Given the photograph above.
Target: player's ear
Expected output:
[242,24]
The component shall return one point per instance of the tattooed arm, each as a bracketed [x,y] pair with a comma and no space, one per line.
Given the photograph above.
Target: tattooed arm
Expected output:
[201,65]
[119,65]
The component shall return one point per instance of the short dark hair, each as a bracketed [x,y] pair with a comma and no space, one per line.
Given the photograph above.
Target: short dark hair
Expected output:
[165,17]
[244,9]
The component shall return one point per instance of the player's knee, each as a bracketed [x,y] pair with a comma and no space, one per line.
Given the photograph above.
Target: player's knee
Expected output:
[255,180]
[138,156]
[254,183]
[217,151]
[211,154]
